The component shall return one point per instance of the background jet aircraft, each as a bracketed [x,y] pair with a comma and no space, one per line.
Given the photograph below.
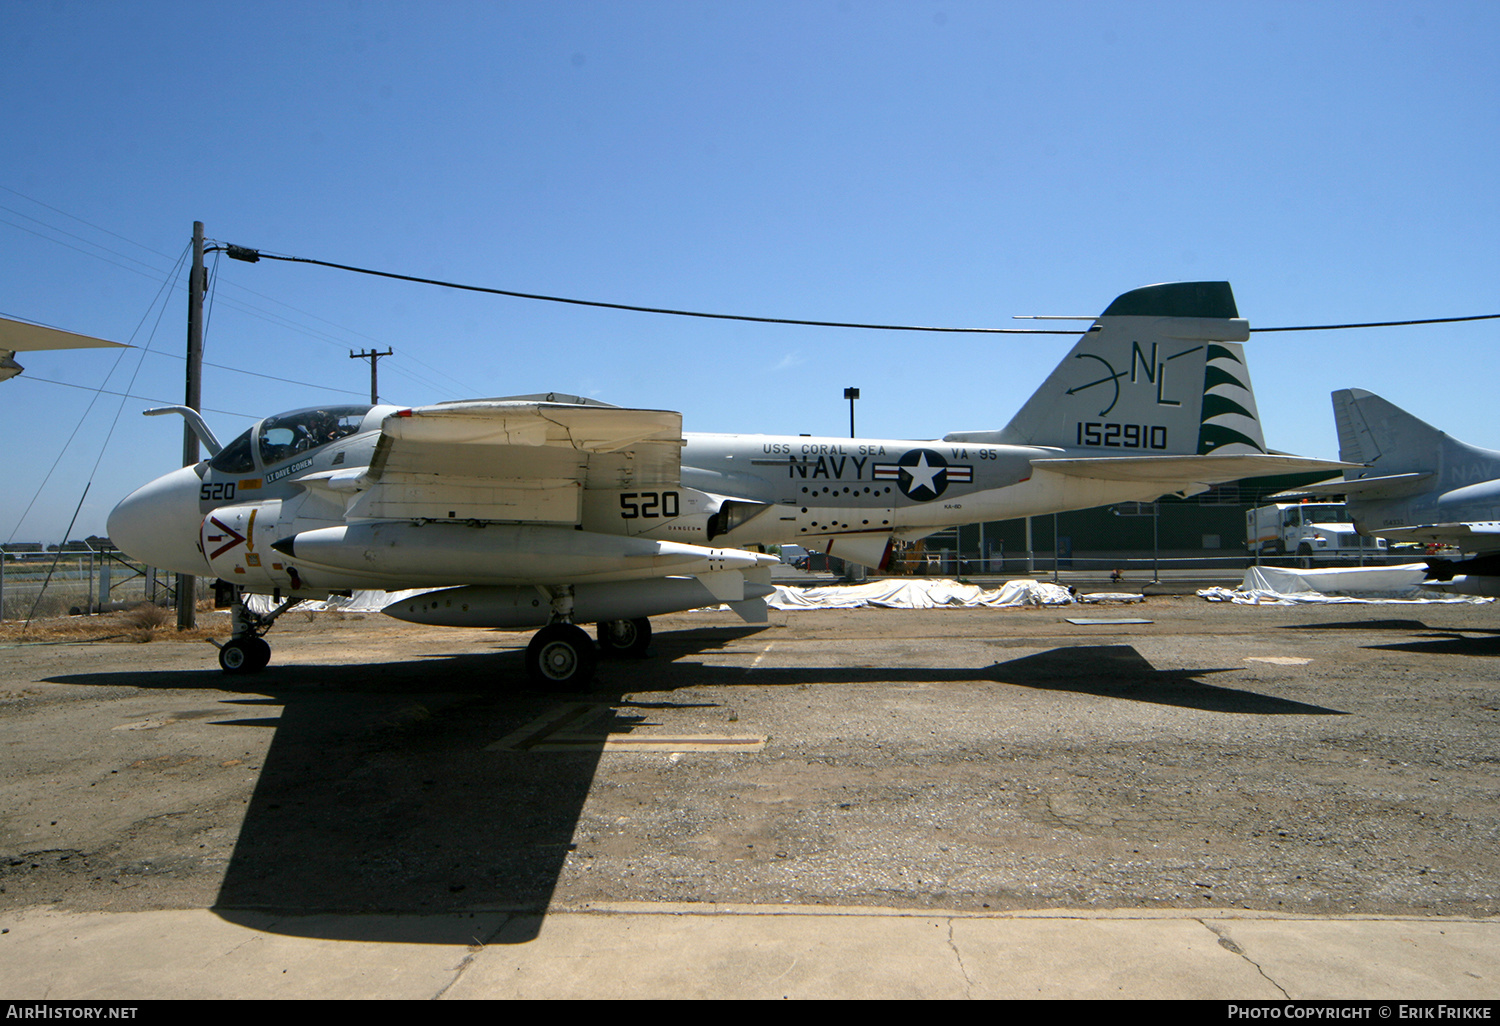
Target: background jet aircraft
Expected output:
[557,510]
[1420,485]
[19,336]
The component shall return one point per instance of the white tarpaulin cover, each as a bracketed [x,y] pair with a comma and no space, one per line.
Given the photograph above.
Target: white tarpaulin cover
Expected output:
[1265,585]
[919,594]
[359,602]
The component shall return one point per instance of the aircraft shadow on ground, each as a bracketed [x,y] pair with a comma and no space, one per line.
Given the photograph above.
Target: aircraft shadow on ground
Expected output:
[1436,642]
[1441,642]
[1108,671]
[381,812]
[1359,625]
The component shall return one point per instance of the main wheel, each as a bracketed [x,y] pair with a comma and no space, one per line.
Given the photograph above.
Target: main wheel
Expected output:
[248,654]
[624,637]
[561,657]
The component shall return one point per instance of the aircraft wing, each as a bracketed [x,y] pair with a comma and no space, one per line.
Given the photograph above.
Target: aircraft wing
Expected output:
[1471,537]
[1390,486]
[1184,471]
[526,462]
[21,337]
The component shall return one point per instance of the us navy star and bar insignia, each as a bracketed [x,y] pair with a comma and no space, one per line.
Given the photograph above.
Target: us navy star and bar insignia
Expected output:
[923,474]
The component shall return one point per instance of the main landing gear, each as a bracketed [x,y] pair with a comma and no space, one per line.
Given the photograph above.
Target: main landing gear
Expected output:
[562,657]
[624,638]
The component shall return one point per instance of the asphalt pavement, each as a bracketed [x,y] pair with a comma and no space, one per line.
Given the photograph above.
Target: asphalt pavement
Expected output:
[1220,803]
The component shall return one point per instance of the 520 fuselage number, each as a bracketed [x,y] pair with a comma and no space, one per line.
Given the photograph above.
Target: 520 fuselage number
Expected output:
[648,505]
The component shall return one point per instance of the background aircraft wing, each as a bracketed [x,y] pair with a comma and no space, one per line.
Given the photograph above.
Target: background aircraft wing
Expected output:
[21,337]
[1389,486]
[514,461]
[1471,537]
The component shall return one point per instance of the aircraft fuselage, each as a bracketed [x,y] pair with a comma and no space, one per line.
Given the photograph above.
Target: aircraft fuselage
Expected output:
[854,495]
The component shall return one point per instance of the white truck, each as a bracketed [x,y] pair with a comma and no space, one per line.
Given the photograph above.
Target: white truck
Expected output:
[1311,530]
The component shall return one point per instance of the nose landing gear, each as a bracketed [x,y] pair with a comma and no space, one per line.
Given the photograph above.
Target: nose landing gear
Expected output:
[244,655]
[247,651]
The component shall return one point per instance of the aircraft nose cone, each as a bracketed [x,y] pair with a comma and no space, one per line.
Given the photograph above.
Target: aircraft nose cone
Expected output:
[159,523]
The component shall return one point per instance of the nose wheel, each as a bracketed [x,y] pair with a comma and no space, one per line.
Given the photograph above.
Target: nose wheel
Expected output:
[248,654]
[246,651]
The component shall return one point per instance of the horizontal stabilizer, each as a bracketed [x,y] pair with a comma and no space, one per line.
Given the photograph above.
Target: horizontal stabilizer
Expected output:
[1184,469]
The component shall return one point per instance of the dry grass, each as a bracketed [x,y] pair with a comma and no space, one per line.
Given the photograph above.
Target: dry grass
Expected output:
[150,621]
[141,623]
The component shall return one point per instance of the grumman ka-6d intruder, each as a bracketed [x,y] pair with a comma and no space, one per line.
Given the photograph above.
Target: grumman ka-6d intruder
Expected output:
[553,511]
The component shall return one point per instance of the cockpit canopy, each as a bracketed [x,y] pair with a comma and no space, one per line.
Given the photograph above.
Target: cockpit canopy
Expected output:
[286,435]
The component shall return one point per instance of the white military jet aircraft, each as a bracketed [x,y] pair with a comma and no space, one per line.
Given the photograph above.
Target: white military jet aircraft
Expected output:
[550,511]
[19,336]
[1416,483]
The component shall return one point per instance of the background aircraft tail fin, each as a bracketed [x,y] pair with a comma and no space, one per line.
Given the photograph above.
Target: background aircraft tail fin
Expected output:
[1374,431]
[1159,373]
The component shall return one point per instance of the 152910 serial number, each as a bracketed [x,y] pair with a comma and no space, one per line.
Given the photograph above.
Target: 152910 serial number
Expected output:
[1122,436]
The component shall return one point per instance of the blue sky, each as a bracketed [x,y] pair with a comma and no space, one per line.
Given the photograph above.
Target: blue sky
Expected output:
[917,162]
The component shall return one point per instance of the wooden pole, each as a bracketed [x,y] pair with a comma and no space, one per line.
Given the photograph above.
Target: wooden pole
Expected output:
[187,584]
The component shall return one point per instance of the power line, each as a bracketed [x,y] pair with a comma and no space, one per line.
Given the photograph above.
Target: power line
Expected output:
[131,395]
[252,255]
[1384,324]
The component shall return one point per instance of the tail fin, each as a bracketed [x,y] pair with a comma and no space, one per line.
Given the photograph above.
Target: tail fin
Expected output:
[1374,431]
[1160,372]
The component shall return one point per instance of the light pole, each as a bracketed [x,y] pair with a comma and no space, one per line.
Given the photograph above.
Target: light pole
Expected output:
[851,394]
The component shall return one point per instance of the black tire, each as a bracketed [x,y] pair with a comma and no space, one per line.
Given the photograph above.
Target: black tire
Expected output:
[244,655]
[622,638]
[561,657]
[260,651]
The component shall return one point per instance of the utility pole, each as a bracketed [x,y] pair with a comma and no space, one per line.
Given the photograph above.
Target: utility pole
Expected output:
[187,584]
[851,394]
[374,359]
